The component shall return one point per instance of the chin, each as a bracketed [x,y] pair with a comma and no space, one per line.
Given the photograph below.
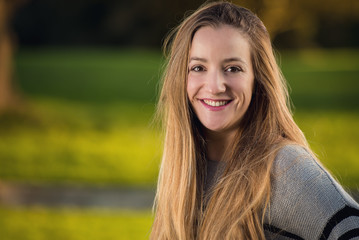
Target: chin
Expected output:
[215,128]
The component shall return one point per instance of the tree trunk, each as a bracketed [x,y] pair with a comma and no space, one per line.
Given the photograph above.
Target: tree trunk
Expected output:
[9,96]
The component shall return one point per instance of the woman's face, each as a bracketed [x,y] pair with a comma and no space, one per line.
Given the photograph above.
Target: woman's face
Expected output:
[220,77]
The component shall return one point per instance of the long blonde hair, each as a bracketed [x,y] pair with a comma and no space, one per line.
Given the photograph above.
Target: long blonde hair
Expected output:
[237,203]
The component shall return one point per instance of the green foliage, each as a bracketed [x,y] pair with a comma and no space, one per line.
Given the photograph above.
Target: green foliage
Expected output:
[73,224]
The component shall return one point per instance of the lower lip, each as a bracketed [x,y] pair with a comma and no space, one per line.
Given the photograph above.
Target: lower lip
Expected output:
[215,108]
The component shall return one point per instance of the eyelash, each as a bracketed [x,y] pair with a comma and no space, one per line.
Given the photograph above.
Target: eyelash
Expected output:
[236,69]
[194,68]
[201,68]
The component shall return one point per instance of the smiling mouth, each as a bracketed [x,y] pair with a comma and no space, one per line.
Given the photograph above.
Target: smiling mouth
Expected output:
[216,103]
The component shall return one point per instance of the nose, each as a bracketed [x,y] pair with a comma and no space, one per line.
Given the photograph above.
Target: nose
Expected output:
[216,83]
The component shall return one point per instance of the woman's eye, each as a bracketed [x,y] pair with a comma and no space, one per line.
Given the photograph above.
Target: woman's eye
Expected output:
[197,69]
[233,69]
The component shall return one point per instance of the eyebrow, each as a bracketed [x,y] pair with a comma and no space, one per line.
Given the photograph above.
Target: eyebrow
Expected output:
[232,59]
[198,59]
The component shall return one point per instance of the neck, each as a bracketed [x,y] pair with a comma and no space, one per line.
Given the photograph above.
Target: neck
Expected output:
[217,143]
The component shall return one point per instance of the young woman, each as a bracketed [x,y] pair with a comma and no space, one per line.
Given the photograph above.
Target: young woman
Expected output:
[235,165]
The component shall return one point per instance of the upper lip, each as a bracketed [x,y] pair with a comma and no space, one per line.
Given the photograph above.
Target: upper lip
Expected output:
[211,99]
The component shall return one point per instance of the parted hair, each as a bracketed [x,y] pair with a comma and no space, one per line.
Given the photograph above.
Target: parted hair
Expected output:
[235,206]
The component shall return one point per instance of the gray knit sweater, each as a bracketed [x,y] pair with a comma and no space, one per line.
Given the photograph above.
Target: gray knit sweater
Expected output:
[306,202]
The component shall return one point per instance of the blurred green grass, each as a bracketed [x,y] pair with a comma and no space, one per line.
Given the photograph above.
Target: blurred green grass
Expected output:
[37,223]
[89,122]
[323,79]
[74,143]
[94,76]
[334,137]
[91,111]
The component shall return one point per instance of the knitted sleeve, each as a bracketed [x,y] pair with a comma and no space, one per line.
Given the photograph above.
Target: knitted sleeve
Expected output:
[306,202]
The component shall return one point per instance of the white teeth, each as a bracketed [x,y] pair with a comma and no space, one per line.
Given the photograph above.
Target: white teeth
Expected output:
[215,103]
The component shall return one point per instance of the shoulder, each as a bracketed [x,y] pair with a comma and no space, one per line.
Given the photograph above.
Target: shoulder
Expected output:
[306,201]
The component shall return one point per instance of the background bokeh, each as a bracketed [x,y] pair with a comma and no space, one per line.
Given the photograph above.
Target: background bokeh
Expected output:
[79,83]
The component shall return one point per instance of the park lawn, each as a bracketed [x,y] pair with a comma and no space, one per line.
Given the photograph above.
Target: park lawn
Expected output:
[334,138]
[39,223]
[323,79]
[82,147]
[90,113]
[65,143]
[92,76]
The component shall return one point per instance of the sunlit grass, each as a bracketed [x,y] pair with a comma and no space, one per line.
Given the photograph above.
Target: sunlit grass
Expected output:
[76,144]
[38,223]
[334,137]
[119,145]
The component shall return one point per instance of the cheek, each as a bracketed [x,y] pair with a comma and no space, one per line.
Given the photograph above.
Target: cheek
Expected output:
[249,89]
[241,88]
[244,89]
[192,88]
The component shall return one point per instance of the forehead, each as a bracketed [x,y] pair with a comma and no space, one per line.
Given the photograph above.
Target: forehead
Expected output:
[221,41]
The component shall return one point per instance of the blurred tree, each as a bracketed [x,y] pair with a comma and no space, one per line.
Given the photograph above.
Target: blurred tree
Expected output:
[291,23]
[301,23]
[142,22]
[9,97]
